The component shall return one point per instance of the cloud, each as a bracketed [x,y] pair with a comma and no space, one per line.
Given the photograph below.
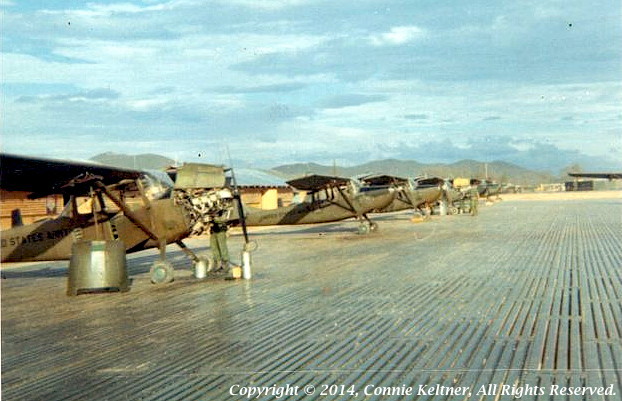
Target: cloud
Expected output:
[86,96]
[305,79]
[349,100]
[416,116]
[270,5]
[398,36]
[273,88]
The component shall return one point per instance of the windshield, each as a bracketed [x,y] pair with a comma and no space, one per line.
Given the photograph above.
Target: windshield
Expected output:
[158,184]
[354,186]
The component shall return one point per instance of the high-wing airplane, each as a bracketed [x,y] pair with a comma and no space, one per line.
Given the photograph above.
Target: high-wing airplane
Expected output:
[486,188]
[328,199]
[509,188]
[159,219]
[410,193]
[609,176]
[455,196]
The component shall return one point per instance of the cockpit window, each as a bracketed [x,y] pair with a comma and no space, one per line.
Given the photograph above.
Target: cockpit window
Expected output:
[158,184]
[68,209]
[81,205]
[354,187]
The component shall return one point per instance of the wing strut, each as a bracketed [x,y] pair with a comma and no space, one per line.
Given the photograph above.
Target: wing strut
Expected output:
[352,207]
[130,215]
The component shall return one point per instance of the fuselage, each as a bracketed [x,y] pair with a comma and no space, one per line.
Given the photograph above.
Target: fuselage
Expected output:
[412,198]
[488,188]
[53,239]
[327,206]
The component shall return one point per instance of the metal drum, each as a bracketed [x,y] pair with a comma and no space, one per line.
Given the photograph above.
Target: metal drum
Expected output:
[97,266]
[201,268]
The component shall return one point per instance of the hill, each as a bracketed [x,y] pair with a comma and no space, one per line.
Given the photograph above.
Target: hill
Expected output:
[497,170]
[147,161]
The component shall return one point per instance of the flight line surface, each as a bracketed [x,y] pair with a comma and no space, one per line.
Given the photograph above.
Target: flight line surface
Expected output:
[523,300]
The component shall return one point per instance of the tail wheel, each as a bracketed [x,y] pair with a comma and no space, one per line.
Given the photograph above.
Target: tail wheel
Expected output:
[161,272]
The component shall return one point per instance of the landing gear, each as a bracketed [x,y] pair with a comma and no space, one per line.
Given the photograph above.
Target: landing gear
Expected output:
[427,212]
[161,272]
[367,227]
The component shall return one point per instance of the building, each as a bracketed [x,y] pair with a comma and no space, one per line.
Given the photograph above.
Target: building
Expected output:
[15,205]
[577,185]
[262,190]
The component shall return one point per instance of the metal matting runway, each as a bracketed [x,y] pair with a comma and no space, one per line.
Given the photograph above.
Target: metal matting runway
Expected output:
[526,294]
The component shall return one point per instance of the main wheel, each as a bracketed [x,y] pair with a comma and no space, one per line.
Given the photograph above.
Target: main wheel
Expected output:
[363,229]
[161,272]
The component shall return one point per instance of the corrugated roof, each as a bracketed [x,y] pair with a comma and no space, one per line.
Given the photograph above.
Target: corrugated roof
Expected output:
[257,178]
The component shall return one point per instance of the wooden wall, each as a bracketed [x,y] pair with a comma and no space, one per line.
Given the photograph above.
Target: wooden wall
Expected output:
[31,209]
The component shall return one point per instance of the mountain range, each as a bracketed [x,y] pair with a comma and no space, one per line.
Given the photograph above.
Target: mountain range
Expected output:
[496,170]
[147,161]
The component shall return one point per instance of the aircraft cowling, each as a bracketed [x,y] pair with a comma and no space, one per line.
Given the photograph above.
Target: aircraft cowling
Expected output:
[200,206]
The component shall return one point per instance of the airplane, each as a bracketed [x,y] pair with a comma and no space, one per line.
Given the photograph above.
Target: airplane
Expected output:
[460,190]
[510,188]
[455,196]
[159,219]
[329,199]
[410,193]
[486,188]
[609,176]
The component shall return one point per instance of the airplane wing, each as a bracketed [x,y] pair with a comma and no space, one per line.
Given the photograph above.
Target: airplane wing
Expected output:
[610,176]
[47,176]
[383,179]
[317,182]
[429,182]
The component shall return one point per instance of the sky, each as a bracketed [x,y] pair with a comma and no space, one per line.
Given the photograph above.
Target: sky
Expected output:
[537,83]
